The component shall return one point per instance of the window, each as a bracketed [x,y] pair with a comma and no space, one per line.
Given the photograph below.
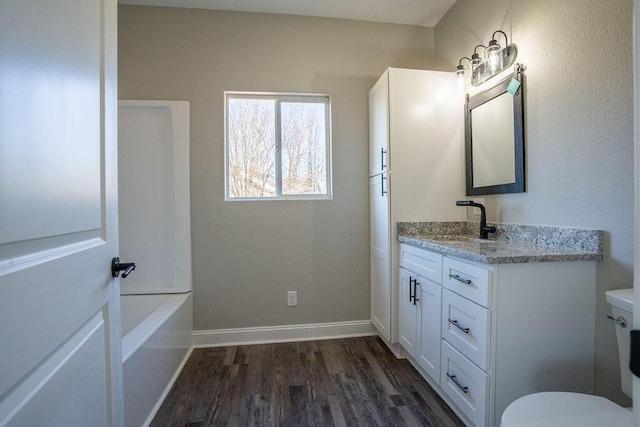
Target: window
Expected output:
[277,146]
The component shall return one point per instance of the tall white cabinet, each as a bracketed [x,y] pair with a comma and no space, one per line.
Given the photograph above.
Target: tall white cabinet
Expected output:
[416,131]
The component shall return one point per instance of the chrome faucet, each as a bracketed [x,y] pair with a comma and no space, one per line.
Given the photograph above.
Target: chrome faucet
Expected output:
[484,230]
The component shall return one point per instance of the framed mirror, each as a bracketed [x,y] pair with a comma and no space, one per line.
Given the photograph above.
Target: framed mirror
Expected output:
[494,140]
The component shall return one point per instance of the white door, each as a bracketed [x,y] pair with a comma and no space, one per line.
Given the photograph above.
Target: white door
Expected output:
[428,342]
[379,127]
[408,311]
[379,275]
[59,306]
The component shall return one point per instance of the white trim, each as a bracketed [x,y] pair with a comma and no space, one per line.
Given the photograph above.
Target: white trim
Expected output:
[286,333]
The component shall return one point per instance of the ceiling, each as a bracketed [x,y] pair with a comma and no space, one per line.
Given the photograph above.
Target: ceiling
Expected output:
[425,13]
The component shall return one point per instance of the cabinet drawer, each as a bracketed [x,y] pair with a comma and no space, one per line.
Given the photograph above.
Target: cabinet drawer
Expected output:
[465,383]
[423,262]
[465,325]
[468,280]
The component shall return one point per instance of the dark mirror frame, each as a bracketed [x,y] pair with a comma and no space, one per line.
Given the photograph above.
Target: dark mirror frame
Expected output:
[518,127]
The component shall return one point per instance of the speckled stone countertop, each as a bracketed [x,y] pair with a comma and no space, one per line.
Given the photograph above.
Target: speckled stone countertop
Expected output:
[510,244]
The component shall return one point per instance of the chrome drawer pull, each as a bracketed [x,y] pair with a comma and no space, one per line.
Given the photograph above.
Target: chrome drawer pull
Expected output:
[455,323]
[455,381]
[460,279]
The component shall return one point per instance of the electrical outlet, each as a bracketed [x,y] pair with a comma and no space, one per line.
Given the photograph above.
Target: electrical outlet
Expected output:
[292,298]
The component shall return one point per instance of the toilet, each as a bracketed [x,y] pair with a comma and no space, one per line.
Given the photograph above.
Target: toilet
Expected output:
[563,409]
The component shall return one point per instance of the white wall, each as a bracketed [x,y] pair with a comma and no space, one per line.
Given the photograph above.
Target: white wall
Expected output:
[246,255]
[579,128]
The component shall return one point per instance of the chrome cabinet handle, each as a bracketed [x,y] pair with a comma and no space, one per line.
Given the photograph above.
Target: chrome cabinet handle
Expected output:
[383,192]
[453,378]
[382,153]
[460,279]
[620,321]
[457,325]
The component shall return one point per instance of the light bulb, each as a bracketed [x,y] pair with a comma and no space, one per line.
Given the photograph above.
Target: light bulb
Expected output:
[475,61]
[493,55]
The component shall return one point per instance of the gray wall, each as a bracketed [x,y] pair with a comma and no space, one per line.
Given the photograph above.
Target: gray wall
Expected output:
[579,128]
[246,255]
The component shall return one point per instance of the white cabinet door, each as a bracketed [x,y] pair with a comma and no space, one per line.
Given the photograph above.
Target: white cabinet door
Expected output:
[379,127]
[59,305]
[408,311]
[429,340]
[380,277]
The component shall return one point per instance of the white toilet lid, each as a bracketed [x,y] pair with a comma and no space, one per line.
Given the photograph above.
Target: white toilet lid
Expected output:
[556,409]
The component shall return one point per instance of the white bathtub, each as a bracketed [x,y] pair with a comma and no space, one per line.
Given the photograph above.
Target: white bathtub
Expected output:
[156,342]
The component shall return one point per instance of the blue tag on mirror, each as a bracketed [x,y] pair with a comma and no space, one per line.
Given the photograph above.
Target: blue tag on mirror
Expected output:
[513,87]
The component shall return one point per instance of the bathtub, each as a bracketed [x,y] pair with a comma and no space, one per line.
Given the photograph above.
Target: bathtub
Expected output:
[156,342]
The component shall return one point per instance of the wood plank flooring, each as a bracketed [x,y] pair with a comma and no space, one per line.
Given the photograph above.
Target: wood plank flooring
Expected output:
[344,382]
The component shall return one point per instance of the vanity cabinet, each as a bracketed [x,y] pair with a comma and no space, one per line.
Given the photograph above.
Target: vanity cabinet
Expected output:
[416,130]
[504,330]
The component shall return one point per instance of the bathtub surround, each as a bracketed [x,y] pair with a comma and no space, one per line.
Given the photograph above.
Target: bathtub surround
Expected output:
[155,231]
[153,195]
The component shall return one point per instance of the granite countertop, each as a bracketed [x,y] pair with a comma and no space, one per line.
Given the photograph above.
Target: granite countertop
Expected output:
[511,243]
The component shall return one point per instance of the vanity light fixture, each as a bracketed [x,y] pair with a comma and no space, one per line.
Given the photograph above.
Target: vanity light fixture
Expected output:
[476,61]
[495,60]
[460,69]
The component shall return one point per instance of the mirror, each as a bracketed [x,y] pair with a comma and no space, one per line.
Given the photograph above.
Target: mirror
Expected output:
[494,140]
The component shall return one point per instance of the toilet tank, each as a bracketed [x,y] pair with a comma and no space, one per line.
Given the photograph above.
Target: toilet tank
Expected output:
[621,301]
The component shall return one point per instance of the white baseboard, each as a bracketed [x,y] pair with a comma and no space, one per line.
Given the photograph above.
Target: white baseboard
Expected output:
[287,333]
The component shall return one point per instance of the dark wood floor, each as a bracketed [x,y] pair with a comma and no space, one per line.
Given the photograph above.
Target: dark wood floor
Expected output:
[352,382]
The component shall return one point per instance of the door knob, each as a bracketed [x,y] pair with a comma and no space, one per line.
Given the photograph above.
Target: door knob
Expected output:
[125,267]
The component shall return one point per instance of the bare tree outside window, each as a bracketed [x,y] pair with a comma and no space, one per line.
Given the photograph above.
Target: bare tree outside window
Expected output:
[251,147]
[277,146]
[303,148]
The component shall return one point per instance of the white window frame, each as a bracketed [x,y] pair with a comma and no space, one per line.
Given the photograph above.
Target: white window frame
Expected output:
[279,98]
